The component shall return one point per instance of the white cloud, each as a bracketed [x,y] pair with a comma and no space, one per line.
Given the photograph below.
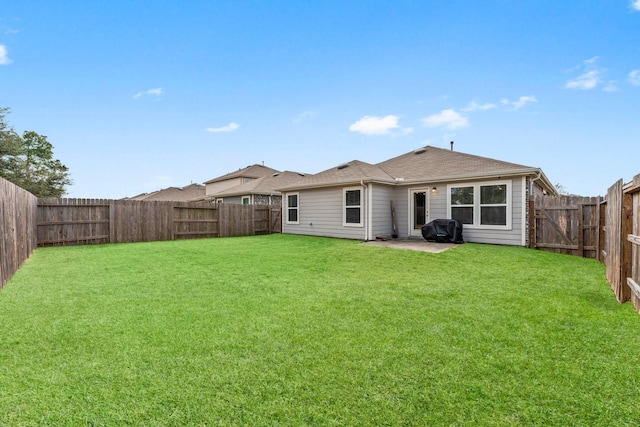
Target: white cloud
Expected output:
[635,4]
[4,59]
[228,128]
[157,92]
[372,125]
[474,106]
[521,102]
[634,76]
[585,81]
[610,86]
[449,119]
[590,77]
[304,116]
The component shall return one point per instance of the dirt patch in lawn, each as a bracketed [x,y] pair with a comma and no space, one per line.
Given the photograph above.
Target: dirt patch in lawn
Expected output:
[412,245]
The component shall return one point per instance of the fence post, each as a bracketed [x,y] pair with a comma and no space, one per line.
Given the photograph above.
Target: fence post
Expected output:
[532,222]
[112,221]
[627,229]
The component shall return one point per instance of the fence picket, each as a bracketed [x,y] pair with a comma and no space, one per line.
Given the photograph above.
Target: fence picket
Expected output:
[17,228]
[93,221]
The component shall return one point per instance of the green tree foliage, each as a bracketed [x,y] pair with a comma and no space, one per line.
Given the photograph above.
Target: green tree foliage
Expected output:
[9,140]
[28,162]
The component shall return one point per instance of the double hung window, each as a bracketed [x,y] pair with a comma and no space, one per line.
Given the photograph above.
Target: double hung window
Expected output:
[292,208]
[483,205]
[352,206]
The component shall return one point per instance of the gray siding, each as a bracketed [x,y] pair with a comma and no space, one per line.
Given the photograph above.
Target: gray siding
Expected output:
[320,214]
[382,223]
[438,210]
[233,199]
[402,211]
[513,237]
[437,206]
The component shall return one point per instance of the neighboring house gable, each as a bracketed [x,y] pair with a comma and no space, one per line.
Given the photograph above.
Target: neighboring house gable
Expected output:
[353,200]
[242,176]
[174,194]
[260,191]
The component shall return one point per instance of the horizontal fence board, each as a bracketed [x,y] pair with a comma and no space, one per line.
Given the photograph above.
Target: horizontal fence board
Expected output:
[567,224]
[634,239]
[95,221]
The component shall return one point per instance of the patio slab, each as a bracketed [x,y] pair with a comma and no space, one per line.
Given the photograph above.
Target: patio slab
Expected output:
[412,245]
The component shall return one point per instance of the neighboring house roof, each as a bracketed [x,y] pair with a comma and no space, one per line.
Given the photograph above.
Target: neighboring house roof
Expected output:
[252,171]
[264,185]
[173,194]
[426,164]
[353,171]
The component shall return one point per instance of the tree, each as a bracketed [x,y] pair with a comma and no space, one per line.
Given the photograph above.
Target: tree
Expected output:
[561,189]
[28,162]
[9,139]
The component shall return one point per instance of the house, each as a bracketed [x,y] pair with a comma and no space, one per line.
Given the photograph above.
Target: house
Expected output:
[173,194]
[241,176]
[358,200]
[260,191]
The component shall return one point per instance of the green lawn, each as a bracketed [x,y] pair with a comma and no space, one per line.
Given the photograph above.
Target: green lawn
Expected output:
[292,330]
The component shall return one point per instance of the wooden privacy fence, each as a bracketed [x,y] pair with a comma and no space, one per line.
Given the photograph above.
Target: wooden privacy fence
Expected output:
[94,221]
[621,251]
[567,224]
[17,228]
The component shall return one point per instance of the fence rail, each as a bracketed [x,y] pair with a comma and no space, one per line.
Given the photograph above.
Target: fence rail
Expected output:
[621,253]
[17,228]
[95,221]
[567,224]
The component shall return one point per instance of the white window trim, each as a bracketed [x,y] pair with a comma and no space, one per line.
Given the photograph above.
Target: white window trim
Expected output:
[476,204]
[344,207]
[297,208]
[242,198]
[220,200]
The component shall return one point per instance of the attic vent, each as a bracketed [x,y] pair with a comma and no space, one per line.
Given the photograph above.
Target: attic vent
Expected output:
[301,174]
[420,150]
[276,174]
[343,166]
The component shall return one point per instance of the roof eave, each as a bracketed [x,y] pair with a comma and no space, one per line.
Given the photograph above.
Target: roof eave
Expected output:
[544,181]
[337,184]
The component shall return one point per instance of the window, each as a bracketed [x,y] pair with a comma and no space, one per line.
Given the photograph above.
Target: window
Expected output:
[462,204]
[485,205]
[246,200]
[352,206]
[245,180]
[493,204]
[292,208]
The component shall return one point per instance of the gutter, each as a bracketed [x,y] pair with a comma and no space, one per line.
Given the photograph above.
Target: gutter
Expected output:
[450,178]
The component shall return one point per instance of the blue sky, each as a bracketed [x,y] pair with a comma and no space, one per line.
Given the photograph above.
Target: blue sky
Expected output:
[138,95]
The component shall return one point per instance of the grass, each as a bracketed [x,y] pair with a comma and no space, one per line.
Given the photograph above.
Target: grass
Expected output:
[293,330]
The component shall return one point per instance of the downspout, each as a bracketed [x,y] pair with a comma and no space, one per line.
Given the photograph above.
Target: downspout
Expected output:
[366,218]
[370,210]
[538,176]
[530,214]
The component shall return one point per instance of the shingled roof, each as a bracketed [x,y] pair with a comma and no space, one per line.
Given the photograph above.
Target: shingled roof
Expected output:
[426,164]
[173,194]
[429,163]
[252,171]
[264,185]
